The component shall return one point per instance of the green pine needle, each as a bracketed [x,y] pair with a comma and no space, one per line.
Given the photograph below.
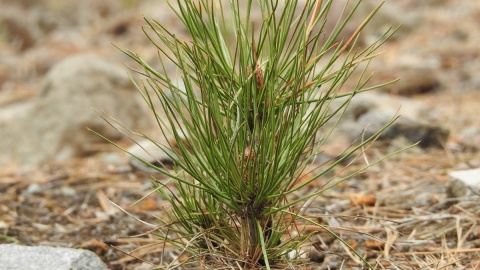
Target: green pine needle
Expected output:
[246,121]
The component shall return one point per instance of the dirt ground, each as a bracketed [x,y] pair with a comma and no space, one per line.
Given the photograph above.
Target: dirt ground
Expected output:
[397,214]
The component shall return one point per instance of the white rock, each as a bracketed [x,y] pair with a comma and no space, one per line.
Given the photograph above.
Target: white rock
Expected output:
[34,189]
[463,183]
[68,192]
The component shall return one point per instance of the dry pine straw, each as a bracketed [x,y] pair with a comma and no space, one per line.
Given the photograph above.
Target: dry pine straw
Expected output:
[396,214]
[419,226]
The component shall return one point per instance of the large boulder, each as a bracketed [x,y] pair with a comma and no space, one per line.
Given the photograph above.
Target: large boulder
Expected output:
[53,126]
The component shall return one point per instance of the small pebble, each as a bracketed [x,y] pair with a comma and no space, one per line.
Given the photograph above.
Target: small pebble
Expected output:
[123,169]
[34,189]
[112,158]
[3,225]
[68,192]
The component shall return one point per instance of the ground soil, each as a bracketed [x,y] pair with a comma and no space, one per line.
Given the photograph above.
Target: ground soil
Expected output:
[396,214]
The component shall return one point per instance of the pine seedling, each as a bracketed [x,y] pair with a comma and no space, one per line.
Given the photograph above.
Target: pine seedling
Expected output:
[245,123]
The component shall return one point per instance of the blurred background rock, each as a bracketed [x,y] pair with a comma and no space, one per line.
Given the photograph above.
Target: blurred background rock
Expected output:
[57,62]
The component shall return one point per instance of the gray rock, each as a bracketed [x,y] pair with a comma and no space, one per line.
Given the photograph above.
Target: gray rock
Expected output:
[470,136]
[54,127]
[413,81]
[149,152]
[15,257]
[370,112]
[413,130]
